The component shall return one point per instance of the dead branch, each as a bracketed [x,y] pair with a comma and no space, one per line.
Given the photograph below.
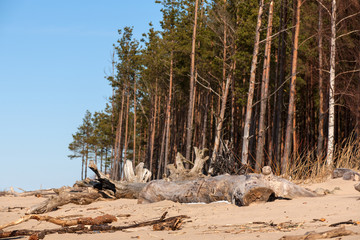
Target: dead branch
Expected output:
[338,232]
[64,223]
[351,222]
[176,222]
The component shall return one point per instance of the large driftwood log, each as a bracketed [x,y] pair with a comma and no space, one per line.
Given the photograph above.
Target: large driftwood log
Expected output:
[187,186]
[241,190]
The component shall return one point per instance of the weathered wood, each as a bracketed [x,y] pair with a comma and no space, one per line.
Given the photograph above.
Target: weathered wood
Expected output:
[82,228]
[80,196]
[140,174]
[189,186]
[179,173]
[240,190]
[338,232]
[64,223]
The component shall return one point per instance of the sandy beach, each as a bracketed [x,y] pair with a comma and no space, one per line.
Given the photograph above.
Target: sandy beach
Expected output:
[220,220]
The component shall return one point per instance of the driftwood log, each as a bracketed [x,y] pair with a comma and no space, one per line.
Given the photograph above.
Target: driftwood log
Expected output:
[88,191]
[338,232]
[241,190]
[182,186]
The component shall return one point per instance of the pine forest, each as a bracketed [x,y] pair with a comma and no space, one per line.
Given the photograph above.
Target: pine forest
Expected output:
[257,83]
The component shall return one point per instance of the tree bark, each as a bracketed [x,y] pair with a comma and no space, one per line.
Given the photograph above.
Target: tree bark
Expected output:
[134,138]
[241,190]
[291,110]
[245,147]
[331,131]
[320,143]
[264,93]
[168,114]
[220,121]
[118,152]
[192,83]
[280,76]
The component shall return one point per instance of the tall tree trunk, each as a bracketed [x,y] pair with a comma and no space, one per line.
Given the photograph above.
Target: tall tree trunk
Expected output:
[134,138]
[280,76]
[192,83]
[126,130]
[86,158]
[330,146]
[245,147]
[161,164]
[264,93]
[153,129]
[320,143]
[291,110]
[220,121]
[82,165]
[118,152]
[168,113]
[206,110]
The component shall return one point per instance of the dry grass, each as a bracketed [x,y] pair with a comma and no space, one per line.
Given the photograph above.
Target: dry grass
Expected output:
[306,166]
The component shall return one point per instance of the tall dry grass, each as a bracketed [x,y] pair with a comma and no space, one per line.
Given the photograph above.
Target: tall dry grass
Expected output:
[306,166]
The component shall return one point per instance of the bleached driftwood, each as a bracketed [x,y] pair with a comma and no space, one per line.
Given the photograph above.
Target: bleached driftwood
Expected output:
[241,190]
[64,223]
[98,225]
[338,232]
[186,186]
[65,195]
[179,173]
[140,174]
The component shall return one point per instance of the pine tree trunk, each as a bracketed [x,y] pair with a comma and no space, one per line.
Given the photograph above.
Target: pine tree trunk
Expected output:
[331,132]
[245,147]
[280,76]
[168,114]
[291,110]
[264,93]
[192,83]
[118,153]
[220,121]
[134,143]
[206,109]
[320,143]
[153,130]
[126,130]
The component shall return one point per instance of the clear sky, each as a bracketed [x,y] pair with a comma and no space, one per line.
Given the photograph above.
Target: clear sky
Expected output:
[53,59]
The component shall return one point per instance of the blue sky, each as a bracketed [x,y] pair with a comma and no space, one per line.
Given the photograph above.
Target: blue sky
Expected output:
[53,59]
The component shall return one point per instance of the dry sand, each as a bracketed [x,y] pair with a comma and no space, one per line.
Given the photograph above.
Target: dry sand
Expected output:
[219,220]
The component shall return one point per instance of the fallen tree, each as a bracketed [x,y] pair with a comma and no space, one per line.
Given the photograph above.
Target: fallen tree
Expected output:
[183,185]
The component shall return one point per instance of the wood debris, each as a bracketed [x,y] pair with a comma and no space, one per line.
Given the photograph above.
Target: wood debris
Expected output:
[350,222]
[98,224]
[338,232]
